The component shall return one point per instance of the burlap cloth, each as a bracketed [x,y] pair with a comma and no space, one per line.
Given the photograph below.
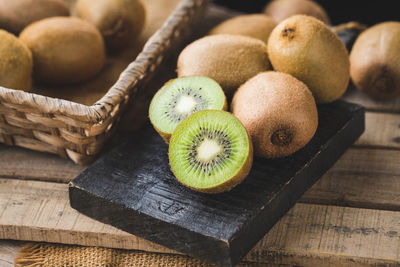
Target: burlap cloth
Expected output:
[56,255]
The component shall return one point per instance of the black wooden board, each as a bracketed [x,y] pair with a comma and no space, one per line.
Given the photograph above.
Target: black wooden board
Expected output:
[133,189]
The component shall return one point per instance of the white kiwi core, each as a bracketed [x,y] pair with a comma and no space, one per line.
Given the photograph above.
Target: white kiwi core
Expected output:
[185,104]
[208,150]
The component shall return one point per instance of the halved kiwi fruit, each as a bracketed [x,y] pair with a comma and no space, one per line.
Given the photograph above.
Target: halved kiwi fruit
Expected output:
[181,97]
[210,151]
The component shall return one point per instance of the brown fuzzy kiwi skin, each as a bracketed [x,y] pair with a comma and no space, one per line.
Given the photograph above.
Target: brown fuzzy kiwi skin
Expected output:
[15,15]
[375,61]
[15,63]
[167,136]
[119,21]
[278,111]
[228,59]
[308,50]
[280,10]
[65,50]
[257,26]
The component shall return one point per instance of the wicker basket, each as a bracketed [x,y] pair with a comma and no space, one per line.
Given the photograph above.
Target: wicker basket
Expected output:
[78,131]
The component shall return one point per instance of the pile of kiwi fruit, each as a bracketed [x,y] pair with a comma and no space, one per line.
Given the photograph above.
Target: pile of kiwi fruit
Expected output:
[41,41]
[272,69]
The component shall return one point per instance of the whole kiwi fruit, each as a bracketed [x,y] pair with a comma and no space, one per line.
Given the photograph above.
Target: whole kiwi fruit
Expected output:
[210,151]
[119,21]
[307,49]
[280,10]
[278,111]
[15,15]
[65,50]
[258,26]
[15,63]
[375,61]
[228,59]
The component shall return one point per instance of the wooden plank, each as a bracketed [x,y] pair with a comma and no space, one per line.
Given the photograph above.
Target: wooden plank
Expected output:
[307,235]
[319,235]
[8,252]
[366,178]
[381,130]
[18,162]
[134,189]
[355,96]
[40,211]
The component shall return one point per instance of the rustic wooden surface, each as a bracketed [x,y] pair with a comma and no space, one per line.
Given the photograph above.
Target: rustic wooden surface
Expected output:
[133,189]
[350,217]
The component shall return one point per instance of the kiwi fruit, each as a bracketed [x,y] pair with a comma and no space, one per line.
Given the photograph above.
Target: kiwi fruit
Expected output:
[181,97]
[15,15]
[280,10]
[278,111]
[65,50]
[15,63]
[119,21]
[307,49]
[228,59]
[210,151]
[375,61]
[258,26]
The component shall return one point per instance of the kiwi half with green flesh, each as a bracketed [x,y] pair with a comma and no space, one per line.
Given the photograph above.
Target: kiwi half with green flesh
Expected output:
[258,26]
[278,111]
[228,59]
[181,97]
[280,10]
[307,49]
[210,151]
[375,61]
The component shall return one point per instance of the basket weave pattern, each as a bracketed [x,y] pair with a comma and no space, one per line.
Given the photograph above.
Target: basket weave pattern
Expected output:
[78,131]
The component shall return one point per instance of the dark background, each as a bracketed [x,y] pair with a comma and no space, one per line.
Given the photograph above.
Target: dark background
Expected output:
[368,11]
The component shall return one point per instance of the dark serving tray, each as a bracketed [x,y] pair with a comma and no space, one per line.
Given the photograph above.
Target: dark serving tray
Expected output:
[132,188]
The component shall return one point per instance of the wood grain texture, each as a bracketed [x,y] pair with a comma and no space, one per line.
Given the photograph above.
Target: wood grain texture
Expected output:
[22,163]
[381,130]
[132,188]
[40,211]
[367,178]
[318,235]
[307,235]
[355,96]
[8,252]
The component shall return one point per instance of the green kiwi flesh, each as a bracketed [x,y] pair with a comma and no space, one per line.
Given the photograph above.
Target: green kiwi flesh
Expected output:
[181,97]
[307,49]
[210,151]
[375,64]
[278,111]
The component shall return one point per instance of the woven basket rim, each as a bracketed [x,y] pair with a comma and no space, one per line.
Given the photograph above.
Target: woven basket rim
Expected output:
[128,78]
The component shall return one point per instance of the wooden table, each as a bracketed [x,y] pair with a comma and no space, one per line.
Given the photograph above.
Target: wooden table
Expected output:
[350,217]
